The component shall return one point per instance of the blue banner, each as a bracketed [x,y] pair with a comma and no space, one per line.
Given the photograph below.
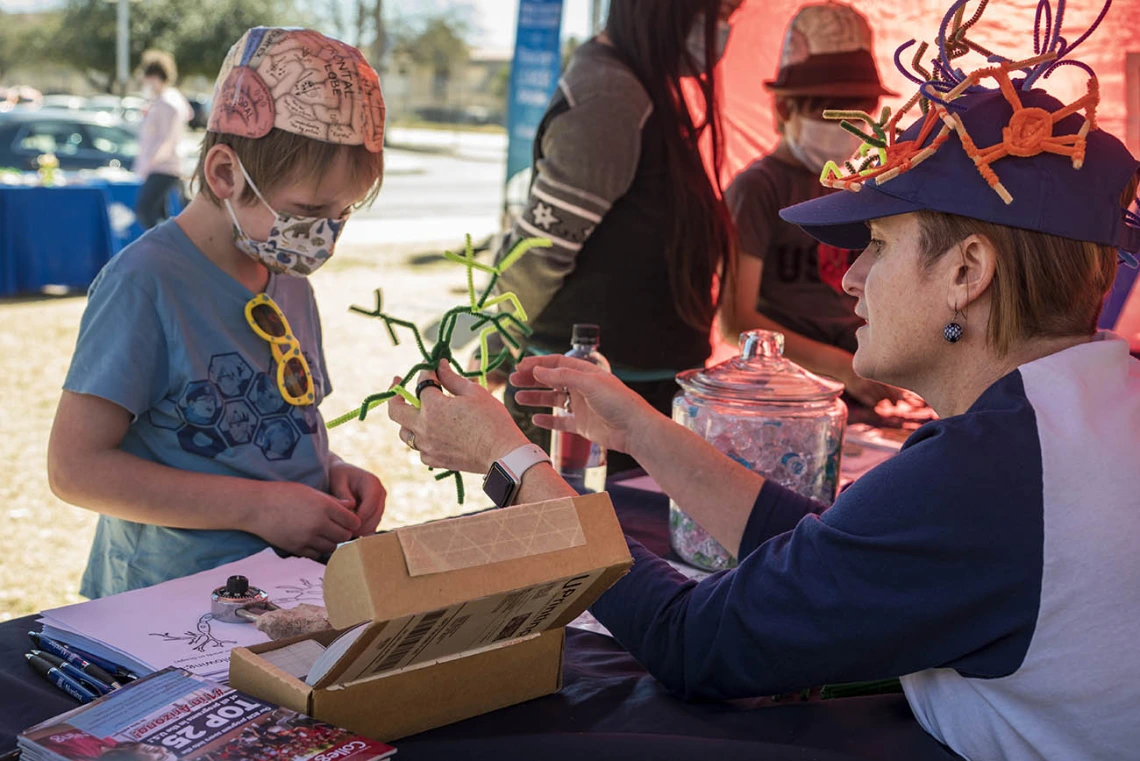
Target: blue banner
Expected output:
[534,77]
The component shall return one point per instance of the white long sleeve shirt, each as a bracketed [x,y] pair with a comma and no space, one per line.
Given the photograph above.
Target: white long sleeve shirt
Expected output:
[162,131]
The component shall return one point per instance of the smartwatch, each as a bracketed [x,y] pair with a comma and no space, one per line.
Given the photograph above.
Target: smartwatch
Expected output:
[505,477]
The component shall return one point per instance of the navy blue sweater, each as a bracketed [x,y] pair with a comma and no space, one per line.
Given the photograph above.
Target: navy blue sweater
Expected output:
[968,564]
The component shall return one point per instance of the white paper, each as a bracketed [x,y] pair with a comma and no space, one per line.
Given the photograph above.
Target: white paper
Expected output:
[332,654]
[296,659]
[170,624]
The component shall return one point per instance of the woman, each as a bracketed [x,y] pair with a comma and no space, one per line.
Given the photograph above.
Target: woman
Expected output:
[992,563]
[162,131]
[639,231]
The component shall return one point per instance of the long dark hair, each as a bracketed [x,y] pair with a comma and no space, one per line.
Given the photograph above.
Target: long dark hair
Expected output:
[650,36]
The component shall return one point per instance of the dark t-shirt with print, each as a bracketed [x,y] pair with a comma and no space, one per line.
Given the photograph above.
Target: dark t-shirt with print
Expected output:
[800,288]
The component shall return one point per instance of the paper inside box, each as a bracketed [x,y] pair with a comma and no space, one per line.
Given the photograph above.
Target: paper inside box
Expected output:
[466,626]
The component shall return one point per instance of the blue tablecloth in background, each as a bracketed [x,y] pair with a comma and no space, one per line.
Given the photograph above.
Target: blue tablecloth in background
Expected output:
[62,236]
[52,236]
[608,708]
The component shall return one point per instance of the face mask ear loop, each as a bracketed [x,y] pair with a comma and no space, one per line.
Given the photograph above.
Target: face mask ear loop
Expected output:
[253,185]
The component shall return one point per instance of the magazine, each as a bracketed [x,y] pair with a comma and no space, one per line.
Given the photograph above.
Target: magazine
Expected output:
[174,716]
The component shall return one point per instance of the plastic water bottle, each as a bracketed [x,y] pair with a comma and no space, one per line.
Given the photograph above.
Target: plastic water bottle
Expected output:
[579,461]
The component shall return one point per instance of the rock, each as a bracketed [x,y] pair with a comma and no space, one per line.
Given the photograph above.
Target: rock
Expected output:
[293,622]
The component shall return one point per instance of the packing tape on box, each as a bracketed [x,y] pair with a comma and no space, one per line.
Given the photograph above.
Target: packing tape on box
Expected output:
[491,537]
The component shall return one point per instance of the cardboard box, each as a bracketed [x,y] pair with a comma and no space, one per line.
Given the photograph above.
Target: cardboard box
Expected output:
[464,616]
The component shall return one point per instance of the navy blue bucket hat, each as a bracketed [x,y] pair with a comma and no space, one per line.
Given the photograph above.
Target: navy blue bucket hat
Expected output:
[1011,155]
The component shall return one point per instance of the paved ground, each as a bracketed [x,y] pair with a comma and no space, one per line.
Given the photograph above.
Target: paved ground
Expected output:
[425,206]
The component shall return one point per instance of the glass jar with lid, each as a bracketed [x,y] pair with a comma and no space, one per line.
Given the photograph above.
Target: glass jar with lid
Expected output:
[771,416]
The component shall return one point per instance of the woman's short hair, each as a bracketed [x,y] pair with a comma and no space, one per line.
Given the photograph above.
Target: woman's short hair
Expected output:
[281,158]
[1043,285]
[159,64]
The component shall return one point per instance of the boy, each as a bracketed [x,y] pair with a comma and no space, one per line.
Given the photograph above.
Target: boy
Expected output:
[188,417]
[786,281]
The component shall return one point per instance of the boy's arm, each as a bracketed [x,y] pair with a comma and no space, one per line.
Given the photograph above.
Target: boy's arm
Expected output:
[87,468]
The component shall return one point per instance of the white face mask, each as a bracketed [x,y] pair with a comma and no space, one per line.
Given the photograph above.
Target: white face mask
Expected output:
[822,141]
[696,41]
[296,246]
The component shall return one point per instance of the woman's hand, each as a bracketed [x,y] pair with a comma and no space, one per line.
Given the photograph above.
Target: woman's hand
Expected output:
[465,429]
[602,408]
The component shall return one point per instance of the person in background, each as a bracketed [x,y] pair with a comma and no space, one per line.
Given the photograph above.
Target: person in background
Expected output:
[160,135]
[639,230]
[785,280]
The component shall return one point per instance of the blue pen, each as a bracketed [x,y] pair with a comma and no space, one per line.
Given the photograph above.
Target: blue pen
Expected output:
[61,680]
[88,664]
[73,671]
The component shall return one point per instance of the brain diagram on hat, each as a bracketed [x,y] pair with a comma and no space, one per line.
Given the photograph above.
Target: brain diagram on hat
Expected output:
[302,82]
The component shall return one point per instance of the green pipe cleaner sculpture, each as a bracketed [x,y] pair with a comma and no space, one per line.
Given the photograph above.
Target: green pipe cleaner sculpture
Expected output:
[486,321]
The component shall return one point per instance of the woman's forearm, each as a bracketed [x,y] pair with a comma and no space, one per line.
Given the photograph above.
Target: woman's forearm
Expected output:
[715,491]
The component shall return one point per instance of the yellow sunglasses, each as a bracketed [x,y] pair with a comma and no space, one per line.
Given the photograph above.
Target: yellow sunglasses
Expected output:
[294,380]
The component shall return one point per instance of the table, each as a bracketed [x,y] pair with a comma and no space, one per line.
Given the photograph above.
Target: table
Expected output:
[53,236]
[609,707]
[62,236]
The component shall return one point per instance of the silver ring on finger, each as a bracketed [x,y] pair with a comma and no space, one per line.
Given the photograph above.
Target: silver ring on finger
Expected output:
[566,406]
[411,442]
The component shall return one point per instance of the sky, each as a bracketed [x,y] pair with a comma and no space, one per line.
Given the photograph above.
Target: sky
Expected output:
[494,20]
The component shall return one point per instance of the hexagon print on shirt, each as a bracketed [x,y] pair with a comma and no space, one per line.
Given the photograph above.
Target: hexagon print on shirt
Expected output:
[236,407]
[277,438]
[230,374]
[239,421]
[265,396]
[200,404]
[201,441]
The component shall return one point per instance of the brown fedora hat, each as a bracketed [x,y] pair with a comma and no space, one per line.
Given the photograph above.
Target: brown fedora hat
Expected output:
[827,51]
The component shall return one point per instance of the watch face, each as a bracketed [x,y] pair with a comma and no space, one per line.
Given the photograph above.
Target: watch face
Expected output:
[499,486]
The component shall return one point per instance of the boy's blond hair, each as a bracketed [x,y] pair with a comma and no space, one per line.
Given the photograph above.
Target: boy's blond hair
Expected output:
[281,158]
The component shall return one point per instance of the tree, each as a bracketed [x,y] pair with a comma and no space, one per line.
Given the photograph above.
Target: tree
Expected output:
[198,33]
[437,41]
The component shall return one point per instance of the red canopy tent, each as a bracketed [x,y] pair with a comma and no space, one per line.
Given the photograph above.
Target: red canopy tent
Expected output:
[1006,27]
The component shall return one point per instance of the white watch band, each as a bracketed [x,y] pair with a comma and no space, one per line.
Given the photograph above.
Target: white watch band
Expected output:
[523,459]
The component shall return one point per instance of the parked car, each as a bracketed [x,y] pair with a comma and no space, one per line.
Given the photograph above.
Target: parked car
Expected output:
[79,140]
[58,100]
[129,109]
[201,108]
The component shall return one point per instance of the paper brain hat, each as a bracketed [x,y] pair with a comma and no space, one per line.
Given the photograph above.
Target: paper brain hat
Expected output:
[299,81]
[828,51]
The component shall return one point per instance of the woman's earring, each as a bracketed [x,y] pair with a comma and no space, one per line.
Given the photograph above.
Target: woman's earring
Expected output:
[953,331]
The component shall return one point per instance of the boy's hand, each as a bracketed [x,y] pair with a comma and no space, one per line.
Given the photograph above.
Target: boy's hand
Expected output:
[306,522]
[361,491]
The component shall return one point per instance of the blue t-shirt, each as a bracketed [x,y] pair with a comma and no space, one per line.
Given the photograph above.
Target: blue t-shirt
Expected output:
[165,337]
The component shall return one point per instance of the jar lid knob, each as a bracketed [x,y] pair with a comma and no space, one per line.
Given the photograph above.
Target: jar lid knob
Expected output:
[761,343]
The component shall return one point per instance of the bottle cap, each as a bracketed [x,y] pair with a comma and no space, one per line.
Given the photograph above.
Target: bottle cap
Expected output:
[585,333]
